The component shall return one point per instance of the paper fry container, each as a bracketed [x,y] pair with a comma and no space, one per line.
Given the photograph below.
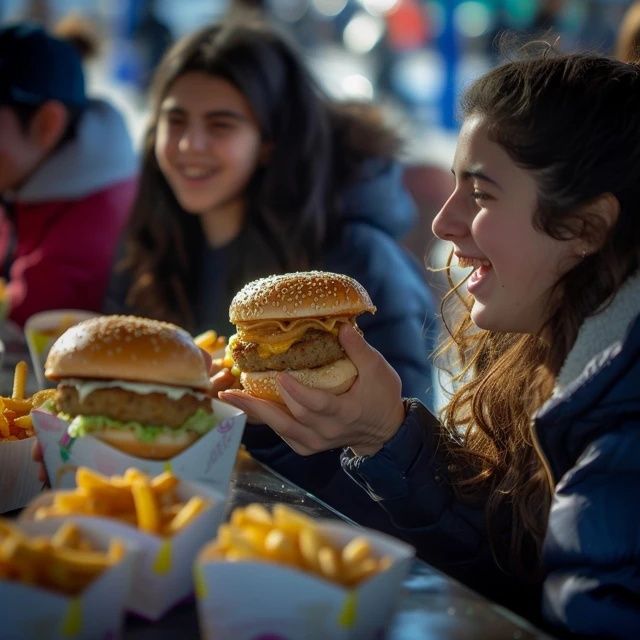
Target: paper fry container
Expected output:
[209,459]
[42,329]
[248,600]
[162,566]
[95,614]
[18,474]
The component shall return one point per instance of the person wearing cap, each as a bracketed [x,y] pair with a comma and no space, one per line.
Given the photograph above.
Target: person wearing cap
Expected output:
[67,177]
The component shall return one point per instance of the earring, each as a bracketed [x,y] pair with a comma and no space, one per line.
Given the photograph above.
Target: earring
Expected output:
[583,255]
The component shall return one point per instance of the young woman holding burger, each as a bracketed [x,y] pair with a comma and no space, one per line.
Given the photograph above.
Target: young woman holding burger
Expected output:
[523,489]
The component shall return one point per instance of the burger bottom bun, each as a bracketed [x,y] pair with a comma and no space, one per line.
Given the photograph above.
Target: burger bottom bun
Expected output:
[335,378]
[163,447]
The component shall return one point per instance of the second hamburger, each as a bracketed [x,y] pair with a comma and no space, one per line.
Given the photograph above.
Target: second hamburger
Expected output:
[138,384]
[290,323]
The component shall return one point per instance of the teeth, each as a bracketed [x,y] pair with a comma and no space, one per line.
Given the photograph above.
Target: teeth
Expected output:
[465,262]
[193,172]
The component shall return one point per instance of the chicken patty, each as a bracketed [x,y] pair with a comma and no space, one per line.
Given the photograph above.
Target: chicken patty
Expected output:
[120,404]
[314,349]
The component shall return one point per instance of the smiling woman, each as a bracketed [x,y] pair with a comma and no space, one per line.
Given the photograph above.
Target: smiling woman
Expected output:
[208,145]
[524,488]
[249,170]
[489,220]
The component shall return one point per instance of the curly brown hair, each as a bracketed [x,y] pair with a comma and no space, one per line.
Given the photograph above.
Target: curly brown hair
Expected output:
[573,121]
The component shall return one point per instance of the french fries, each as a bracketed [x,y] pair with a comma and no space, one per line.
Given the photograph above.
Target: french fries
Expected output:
[150,504]
[210,341]
[286,536]
[15,411]
[64,562]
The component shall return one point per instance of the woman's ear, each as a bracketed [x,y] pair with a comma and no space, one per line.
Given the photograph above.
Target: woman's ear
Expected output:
[48,125]
[601,215]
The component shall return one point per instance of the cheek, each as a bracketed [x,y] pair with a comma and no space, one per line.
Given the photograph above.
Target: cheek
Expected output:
[244,155]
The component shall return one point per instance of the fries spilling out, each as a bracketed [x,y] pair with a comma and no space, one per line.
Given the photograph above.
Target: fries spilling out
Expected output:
[286,536]
[65,562]
[150,504]
[15,411]
[211,342]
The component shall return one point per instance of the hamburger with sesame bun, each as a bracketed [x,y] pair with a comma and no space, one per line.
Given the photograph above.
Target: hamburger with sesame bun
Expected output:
[139,385]
[290,323]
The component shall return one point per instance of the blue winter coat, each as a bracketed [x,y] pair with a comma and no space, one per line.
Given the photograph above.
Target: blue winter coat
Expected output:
[591,437]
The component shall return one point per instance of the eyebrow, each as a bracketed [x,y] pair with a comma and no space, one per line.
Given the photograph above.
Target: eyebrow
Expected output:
[217,113]
[476,173]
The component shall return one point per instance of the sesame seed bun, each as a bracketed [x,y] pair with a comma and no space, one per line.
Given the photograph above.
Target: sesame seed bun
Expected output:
[336,378]
[299,295]
[128,348]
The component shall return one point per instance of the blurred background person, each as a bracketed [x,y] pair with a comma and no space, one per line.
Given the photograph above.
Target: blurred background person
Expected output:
[249,170]
[67,177]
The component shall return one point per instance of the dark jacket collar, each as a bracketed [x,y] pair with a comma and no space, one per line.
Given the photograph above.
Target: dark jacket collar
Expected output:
[607,392]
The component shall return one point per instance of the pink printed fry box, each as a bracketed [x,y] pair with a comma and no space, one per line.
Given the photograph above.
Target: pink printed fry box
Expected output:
[96,613]
[245,600]
[18,474]
[162,565]
[209,459]
[43,328]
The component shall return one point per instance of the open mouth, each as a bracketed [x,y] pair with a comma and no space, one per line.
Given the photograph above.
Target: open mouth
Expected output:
[196,173]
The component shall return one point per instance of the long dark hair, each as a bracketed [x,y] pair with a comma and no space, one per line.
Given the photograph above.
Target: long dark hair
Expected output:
[574,122]
[316,148]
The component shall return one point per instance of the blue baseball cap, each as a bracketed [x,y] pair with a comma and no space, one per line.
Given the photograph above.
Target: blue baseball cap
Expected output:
[35,67]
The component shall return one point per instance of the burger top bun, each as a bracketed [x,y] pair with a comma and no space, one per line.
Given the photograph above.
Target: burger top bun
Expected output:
[128,348]
[300,295]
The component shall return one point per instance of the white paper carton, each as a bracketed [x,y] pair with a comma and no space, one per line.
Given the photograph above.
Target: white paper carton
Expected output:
[209,459]
[162,566]
[18,474]
[42,329]
[95,614]
[247,600]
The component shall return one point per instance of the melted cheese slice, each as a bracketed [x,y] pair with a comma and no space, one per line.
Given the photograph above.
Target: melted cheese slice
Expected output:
[274,337]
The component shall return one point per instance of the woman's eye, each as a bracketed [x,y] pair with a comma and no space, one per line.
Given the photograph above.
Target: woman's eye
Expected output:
[175,121]
[220,126]
[479,195]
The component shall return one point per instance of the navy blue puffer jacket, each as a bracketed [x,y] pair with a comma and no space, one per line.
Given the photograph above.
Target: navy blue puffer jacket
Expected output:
[591,437]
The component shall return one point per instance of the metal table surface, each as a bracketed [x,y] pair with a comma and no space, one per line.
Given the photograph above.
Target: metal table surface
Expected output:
[431,604]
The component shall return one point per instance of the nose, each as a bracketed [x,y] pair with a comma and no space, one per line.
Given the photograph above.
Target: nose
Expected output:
[450,222]
[193,138]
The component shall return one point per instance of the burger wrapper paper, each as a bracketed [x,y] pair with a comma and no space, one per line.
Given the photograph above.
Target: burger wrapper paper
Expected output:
[209,459]
[96,613]
[162,566]
[245,600]
[43,329]
[18,474]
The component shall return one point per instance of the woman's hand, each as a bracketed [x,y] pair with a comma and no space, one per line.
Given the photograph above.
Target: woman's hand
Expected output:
[222,380]
[364,417]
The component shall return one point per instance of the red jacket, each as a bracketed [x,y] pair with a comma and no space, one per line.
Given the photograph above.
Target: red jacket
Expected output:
[64,251]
